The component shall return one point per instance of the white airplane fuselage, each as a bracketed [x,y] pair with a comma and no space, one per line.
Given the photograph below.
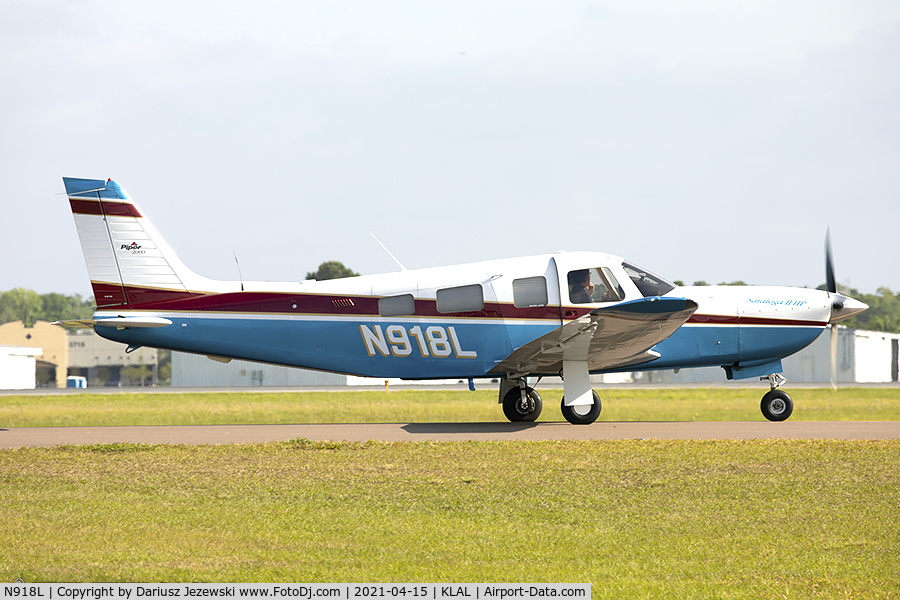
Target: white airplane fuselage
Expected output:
[336,325]
[507,318]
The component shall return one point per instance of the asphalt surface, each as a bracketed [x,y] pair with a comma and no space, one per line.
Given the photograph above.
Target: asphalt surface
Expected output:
[412,432]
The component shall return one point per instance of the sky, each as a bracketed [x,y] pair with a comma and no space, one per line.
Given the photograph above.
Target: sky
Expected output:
[703,140]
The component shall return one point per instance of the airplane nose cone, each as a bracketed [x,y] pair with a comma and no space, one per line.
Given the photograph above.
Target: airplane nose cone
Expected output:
[844,307]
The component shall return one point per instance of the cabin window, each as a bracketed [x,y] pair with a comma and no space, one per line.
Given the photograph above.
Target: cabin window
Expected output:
[588,286]
[648,283]
[614,291]
[530,291]
[466,298]
[395,306]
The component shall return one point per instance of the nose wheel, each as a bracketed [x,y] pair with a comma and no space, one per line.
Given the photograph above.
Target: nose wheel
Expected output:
[776,405]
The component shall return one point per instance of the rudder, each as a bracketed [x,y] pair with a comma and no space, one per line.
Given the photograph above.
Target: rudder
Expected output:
[128,261]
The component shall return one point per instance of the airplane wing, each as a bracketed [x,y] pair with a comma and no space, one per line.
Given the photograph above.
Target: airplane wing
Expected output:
[608,337]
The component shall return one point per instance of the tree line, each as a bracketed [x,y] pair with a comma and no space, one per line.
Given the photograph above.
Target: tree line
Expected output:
[883,313]
[20,304]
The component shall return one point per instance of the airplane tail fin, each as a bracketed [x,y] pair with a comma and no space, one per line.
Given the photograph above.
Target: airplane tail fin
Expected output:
[129,262]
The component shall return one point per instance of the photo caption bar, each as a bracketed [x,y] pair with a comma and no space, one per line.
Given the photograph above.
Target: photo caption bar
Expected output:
[307,591]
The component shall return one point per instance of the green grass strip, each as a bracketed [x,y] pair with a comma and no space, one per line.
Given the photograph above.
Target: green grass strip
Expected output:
[636,519]
[354,406]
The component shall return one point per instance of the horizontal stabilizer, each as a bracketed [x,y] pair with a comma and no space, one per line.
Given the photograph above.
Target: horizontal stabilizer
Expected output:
[118,322]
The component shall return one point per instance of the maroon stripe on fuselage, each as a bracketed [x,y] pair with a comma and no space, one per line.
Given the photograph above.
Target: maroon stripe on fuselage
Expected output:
[82,206]
[150,296]
[785,322]
[713,319]
[140,298]
[307,304]
[735,320]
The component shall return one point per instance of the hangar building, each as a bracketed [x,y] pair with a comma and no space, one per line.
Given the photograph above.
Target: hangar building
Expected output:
[18,367]
[104,363]
[53,342]
[78,352]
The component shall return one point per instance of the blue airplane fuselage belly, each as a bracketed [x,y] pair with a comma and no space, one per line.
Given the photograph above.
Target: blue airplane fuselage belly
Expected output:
[768,343]
[432,348]
[699,346]
[409,349]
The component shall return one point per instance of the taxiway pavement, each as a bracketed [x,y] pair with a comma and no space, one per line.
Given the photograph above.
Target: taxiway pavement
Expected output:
[412,432]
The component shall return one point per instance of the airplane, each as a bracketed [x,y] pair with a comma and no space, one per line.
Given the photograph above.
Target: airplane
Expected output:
[514,320]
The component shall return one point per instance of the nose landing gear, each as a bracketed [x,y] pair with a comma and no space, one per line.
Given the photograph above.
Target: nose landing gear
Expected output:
[776,405]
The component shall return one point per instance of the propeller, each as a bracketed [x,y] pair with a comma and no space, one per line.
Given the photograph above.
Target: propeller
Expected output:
[829,264]
[842,307]
[831,283]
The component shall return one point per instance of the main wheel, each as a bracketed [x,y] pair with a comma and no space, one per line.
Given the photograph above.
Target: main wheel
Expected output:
[518,409]
[582,415]
[776,405]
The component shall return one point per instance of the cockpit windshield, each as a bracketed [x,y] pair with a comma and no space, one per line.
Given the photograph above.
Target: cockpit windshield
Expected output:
[648,283]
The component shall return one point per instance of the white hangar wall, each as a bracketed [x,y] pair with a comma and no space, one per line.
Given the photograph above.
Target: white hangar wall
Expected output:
[861,357]
[194,370]
[17,367]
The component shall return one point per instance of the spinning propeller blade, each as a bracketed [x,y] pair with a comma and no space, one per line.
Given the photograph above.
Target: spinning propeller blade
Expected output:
[829,264]
[842,307]
[831,283]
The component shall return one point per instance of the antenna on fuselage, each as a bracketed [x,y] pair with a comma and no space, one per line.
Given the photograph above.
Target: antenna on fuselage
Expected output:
[241,277]
[400,264]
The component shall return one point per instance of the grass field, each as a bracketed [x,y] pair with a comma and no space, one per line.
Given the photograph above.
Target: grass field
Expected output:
[651,519]
[636,519]
[622,404]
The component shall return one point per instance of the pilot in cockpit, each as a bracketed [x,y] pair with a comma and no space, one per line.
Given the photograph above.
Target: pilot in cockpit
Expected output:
[581,289]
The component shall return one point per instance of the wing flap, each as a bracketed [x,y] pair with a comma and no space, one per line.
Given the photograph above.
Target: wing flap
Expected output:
[609,337]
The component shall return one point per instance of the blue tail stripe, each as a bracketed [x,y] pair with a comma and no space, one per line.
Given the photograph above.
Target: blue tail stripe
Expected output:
[91,187]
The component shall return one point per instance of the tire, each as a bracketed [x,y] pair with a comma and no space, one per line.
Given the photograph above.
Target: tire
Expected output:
[517,411]
[582,415]
[776,405]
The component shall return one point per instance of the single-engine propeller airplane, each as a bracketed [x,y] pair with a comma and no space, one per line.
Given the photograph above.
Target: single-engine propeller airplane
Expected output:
[566,313]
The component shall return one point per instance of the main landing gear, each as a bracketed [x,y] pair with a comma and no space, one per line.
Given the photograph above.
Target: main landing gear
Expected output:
[522,404]
[776,405]
[583,414]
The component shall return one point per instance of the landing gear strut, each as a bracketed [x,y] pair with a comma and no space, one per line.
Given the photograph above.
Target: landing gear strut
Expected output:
[776,405]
